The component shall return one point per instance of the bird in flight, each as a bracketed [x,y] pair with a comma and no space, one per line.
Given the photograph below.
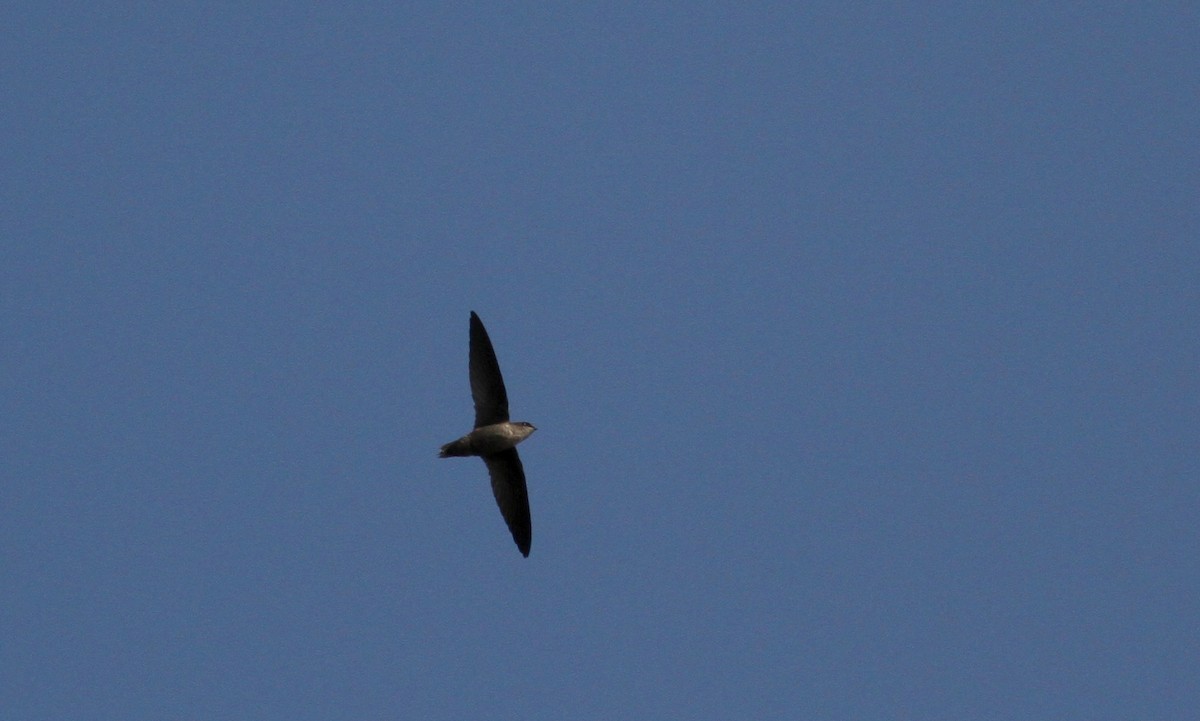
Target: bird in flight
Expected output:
[495,438]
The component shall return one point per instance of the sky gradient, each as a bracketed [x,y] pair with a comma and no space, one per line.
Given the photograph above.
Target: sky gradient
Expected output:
[862,340]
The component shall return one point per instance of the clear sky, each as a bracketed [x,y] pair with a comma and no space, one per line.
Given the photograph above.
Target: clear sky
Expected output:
[862,339]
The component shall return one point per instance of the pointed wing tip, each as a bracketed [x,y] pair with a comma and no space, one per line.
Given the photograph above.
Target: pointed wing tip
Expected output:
[523,537]
[523,544]
[508,487]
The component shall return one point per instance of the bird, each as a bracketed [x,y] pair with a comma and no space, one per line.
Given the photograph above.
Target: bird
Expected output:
[495,437]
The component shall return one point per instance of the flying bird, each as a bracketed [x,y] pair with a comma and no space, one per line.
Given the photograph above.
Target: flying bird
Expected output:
[495,438]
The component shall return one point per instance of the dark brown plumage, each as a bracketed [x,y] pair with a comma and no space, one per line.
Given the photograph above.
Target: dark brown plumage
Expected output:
[495,437]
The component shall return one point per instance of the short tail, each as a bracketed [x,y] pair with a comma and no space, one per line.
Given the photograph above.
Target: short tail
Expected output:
[455,448]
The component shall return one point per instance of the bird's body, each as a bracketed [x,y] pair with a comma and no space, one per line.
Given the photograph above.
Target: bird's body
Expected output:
[495,437]
[488,439]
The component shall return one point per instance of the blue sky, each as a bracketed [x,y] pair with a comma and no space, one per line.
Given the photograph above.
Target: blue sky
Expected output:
[862,340]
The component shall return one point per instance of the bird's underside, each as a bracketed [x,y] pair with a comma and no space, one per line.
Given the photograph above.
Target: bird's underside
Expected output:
[495,437]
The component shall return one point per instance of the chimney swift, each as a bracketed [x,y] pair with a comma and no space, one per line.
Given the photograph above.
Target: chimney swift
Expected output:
[495,438]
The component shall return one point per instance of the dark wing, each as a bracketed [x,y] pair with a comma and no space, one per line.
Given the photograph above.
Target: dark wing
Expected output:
[508,486]
[487,386]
